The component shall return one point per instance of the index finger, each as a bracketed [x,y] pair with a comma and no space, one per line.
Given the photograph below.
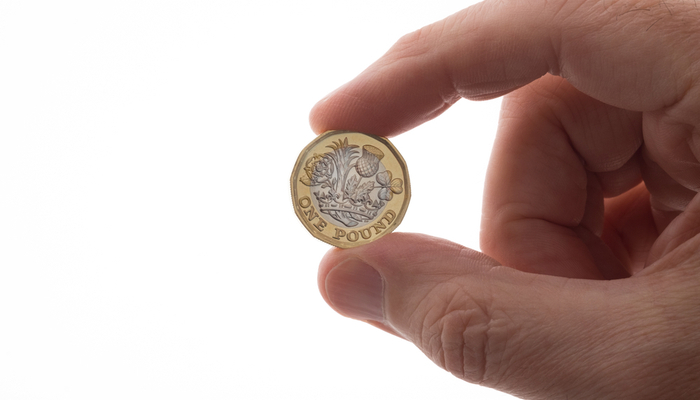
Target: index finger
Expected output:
[494,47]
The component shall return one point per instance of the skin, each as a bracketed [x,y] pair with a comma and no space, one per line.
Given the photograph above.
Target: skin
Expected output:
[589,281]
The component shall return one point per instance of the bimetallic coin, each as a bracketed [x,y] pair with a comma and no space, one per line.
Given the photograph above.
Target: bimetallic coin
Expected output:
[350,188]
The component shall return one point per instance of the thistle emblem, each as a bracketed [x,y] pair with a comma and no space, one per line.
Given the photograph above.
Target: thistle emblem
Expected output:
[368,164]
[347,192]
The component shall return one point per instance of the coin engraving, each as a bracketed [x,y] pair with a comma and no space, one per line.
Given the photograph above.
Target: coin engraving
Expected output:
[350,188]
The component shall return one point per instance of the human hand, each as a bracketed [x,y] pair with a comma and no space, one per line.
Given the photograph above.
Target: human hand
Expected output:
[608,95]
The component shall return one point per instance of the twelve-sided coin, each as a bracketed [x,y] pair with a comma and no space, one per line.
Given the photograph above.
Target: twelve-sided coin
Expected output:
[350,188]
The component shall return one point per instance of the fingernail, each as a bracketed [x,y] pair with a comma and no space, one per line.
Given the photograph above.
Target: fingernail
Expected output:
[356,290]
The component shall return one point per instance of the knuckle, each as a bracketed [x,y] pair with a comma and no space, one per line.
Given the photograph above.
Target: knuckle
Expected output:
[436,35]
[418,42]
[455,333]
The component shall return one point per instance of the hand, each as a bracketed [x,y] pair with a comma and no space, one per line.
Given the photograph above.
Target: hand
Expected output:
[593,178]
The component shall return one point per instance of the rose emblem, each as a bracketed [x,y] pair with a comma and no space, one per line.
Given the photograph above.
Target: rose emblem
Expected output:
[319,169]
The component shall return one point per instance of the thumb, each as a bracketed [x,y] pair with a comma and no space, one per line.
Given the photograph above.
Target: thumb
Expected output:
[534,336]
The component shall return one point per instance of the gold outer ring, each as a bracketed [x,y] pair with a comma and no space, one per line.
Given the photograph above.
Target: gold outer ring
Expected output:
[348,197]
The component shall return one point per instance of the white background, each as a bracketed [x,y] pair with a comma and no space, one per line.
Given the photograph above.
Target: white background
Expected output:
[148,245]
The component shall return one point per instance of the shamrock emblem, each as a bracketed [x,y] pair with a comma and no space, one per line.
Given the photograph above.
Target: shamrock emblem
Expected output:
[388,186]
